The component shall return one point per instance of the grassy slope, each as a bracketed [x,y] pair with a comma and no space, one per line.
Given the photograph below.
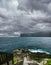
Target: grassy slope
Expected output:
[15,60]
[48,62]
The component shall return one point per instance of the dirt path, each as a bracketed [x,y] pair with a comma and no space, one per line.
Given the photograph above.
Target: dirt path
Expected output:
[43,62]
[25,61]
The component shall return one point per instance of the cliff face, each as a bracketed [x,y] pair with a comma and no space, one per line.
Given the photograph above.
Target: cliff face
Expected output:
[38,34]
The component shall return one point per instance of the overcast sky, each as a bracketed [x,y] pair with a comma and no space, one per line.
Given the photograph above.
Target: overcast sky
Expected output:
[24,16]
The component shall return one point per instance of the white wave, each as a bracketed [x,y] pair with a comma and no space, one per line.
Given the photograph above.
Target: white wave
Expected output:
[38,50]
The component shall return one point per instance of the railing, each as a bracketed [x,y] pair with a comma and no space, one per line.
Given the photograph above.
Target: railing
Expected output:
[6,57]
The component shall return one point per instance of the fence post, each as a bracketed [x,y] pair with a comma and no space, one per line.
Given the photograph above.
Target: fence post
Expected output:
[12,59]
[7,60]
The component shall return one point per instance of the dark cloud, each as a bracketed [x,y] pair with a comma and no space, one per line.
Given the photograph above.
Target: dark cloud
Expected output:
[32,4]
[24,16]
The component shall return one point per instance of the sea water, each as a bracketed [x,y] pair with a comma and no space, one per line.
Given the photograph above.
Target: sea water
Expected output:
[8,44]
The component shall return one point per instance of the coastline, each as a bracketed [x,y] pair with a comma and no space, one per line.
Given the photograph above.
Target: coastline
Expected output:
[38,50]
[20,54]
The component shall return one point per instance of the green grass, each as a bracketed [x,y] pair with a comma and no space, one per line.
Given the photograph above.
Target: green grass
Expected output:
[48,62]
[15,60]
[39,60]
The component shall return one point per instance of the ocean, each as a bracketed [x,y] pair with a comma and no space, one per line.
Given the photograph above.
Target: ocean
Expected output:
[8,44]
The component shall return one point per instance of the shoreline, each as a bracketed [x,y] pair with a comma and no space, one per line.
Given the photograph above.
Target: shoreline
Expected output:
[38,50]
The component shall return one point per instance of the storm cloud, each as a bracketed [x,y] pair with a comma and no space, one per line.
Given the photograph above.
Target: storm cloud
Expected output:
[24,16]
